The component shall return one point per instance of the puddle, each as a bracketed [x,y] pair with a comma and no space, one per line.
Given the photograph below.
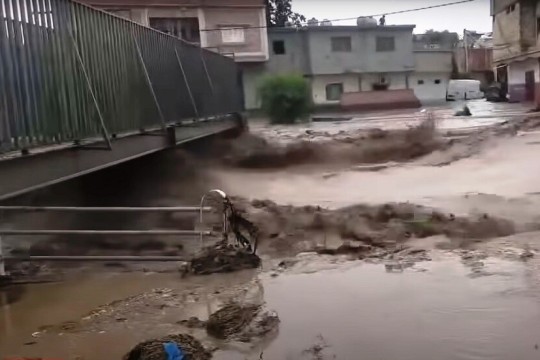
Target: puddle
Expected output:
[348,310]
[366,313]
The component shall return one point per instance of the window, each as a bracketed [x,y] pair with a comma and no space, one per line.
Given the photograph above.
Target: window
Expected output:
[184,28]
[420,82]
[437,81]
[278,47]
[334,91]
[232,35]
[341,44]
[385,43]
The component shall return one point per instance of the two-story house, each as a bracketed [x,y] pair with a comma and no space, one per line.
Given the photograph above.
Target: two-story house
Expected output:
[338,59]
[516,47]
[232,27]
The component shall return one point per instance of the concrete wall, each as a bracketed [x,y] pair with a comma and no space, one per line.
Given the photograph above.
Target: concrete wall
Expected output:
[295,59]
[433,61]
[429,91]
[506,34]
[353,83]
[255,46]
[516,78]
[363,56]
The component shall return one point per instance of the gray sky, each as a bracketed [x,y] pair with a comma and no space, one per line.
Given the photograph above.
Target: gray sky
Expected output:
[470,16]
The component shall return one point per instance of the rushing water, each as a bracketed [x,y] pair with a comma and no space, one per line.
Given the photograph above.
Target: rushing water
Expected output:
[350,310]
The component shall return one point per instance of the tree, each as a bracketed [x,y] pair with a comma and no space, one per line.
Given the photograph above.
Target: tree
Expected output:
[285,98]
[279,13]
[440,37]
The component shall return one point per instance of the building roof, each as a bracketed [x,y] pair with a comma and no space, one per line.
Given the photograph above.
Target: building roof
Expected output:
[172,3]
[340,28]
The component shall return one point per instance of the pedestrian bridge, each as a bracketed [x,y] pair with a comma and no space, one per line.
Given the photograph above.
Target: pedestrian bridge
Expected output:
[82,90]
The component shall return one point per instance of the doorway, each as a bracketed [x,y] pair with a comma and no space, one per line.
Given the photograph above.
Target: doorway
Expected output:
[529,86]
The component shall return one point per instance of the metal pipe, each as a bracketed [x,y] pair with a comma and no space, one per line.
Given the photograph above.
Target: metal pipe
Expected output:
[105,232]
[94,258]
[194,209]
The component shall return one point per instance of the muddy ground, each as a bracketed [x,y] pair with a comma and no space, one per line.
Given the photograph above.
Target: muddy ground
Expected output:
[396,235]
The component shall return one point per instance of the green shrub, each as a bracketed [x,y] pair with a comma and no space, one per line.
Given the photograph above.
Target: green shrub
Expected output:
[285,98]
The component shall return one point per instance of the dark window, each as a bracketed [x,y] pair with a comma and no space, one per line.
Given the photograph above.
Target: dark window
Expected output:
[279,47]
[437,81]
[341,44]
[420,82]
[334,91]
[184,28]
[386,43]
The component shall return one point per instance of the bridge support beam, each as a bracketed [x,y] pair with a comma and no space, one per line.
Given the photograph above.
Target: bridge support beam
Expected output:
[22,174]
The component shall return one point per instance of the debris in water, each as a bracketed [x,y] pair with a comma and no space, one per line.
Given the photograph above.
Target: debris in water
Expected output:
[224,258]
[154,350]
[230,320]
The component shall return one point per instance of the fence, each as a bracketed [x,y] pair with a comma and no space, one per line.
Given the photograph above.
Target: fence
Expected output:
[69,72]
[141,232]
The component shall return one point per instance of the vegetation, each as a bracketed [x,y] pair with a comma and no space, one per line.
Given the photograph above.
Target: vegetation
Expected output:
[285,98]
[279,13]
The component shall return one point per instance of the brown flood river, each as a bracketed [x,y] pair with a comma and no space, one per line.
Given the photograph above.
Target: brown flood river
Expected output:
[329,309]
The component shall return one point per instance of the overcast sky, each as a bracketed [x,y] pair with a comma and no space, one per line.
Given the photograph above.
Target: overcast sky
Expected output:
[470,16]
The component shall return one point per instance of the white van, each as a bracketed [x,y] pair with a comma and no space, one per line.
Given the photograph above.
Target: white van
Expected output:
[463,90]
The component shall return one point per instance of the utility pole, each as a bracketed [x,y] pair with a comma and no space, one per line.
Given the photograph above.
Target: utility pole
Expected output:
[466,46]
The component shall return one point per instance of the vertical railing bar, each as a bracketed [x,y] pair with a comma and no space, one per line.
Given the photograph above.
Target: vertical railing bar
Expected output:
[33,39]
[141,59]
[62,30]
[50,11]
[52,103]
[187,83]
[105,133]
[110,71]
[210,82]
[29,68]
[15,77]
[6,133]
[78,93]
[23,72]
[89,110]
[114,71]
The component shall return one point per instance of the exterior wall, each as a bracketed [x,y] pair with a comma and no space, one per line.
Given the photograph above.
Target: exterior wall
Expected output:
[350,83]
[506,34]
[433,61]
[479,60]
[363,56]
[251,77]
[516,79]
[353,83]
[431,67]
[396,81]
[212,15]
[255,47]
[295,59]
[429,91]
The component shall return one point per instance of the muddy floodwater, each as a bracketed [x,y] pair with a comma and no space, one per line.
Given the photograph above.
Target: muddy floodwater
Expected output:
[425,296]
[339,310]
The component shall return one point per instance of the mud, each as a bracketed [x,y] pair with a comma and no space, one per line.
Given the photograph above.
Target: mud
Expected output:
[153,349]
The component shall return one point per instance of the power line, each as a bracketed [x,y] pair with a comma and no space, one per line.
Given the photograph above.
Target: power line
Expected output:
[345,19]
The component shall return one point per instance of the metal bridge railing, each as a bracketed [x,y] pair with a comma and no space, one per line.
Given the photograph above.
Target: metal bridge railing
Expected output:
[192,209]
[69,72]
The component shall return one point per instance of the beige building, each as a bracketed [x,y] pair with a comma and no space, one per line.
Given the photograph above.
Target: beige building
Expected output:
[516,47]
[231,27]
